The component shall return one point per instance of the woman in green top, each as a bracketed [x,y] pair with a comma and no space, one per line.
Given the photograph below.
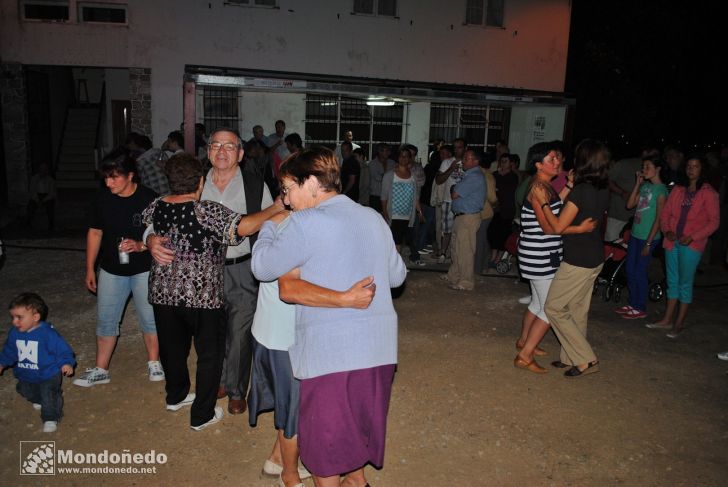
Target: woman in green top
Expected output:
[648,196]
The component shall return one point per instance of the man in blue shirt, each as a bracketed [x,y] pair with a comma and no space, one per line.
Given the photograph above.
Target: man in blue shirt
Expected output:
[467,200]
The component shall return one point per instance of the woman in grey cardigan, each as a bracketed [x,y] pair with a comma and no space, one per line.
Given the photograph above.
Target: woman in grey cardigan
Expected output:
[344,357]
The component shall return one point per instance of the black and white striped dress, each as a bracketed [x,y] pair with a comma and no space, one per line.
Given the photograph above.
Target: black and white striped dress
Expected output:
[539,255]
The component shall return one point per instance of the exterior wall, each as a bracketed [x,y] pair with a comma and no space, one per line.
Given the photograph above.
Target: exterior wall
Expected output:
[15,132]
[418,131]
[428,42]
[530,125]
[265,108]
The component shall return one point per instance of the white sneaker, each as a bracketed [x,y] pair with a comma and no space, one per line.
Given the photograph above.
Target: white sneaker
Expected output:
[94,376]
[723,355]
[37,406]
[156,373]
[50,426]
[215,418]
[272,469]
[184,402]
[525,299]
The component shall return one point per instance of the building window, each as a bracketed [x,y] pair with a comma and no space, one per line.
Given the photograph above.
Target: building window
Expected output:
[253,3]
[484,12]
[385,8]
[480,125]
[49,10]
[103,13]
[221,108]
[327,117]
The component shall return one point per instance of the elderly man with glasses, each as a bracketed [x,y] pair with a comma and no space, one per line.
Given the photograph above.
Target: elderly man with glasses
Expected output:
[242,190]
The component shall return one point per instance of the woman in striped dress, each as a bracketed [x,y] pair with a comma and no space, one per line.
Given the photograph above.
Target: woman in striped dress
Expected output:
[539,249]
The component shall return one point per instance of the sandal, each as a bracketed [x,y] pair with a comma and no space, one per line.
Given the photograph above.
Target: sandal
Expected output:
[532,366]
[559,364]
[538,351]
[591,368]
[675,333]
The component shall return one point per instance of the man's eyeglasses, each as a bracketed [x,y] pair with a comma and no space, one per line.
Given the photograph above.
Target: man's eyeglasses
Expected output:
[228,146]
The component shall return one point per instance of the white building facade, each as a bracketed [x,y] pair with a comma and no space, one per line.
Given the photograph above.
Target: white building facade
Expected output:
[389,70]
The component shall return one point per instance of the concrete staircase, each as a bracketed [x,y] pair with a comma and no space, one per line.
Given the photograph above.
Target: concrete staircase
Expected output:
[76,164]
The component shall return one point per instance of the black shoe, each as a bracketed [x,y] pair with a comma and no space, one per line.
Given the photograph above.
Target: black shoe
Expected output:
[559,364]
[591,368]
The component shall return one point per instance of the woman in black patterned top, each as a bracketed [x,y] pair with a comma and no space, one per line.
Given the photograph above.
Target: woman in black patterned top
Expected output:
[187,295]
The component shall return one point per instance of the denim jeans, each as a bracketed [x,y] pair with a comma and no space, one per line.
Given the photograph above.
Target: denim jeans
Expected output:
[425,229]
[112,293]
[636,270]
[48,394]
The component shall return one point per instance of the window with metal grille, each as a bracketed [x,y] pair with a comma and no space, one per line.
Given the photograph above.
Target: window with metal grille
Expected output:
[108,13]
[385,8]
[221,108]
[480,125]
[51,10]
[327,117]
[484,12]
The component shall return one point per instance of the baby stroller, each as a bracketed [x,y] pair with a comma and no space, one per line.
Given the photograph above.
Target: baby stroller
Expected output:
[503,266]
[613,277]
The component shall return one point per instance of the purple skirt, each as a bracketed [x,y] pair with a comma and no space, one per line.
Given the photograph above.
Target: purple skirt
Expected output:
[342,422]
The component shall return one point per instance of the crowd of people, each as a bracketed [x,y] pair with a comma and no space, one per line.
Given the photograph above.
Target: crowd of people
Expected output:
[267,256]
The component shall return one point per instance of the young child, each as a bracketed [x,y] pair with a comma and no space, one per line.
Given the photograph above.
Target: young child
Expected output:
[41,358]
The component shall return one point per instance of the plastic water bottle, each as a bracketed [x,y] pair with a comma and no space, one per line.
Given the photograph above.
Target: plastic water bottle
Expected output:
[123,256]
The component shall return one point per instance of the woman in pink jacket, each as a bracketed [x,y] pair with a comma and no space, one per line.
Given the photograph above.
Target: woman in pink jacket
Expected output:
[691,214]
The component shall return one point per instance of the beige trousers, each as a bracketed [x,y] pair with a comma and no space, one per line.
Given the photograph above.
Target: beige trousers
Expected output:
[464,230]
[567,308]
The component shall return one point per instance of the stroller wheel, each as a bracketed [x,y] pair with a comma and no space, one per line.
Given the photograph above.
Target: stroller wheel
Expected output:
[596,287]
[617,294]
[502,267]
[608,291]
[656,292]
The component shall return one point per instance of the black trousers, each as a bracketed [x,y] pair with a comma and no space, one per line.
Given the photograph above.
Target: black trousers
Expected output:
[177,327]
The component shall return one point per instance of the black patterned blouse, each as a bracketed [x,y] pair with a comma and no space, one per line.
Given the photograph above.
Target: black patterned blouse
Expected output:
[199,232]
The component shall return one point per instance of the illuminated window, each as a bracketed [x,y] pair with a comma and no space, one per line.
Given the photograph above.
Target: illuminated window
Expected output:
[327,117]
[384,8]
[480,125]
[484,12]
[49,10]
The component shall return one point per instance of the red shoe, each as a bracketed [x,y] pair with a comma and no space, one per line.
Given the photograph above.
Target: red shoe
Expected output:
[634,314]
[623,310]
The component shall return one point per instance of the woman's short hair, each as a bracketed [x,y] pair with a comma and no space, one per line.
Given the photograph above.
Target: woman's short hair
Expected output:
[591,162]
[183,173]
[319,162]
[119,164]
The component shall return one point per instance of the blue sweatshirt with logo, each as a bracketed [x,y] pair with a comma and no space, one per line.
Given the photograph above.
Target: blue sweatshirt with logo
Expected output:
[38,354]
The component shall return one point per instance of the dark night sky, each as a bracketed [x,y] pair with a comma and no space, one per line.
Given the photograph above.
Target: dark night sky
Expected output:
[649,71]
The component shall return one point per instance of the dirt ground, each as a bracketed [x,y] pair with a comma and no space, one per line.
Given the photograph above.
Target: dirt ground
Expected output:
[461,414]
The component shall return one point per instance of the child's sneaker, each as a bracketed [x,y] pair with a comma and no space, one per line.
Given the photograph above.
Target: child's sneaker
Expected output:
[189,399]
[50,426]
[94,376]
[37,406]
[156,373]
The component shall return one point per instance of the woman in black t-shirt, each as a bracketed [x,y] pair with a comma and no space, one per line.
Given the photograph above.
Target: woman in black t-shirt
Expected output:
[115,238]
[567,305]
